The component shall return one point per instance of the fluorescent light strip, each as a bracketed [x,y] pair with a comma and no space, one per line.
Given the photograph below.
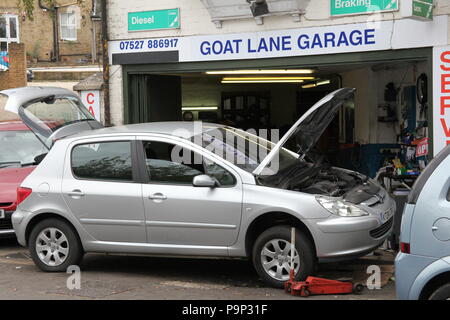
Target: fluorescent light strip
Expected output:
[265,78]
[198,108]
[319,83]
[271,71]
[262,81]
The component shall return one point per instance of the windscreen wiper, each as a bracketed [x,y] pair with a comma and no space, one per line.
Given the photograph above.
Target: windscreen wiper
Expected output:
[10,164]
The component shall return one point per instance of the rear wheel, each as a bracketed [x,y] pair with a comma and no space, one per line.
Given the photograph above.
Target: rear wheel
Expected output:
[54,245]
[272,256]
[441,293]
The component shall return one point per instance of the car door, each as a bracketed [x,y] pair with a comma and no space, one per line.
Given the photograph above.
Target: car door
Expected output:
[100,188]
[176,212]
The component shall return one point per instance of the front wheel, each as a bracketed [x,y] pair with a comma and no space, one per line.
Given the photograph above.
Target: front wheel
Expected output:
[54,246]
[272,256]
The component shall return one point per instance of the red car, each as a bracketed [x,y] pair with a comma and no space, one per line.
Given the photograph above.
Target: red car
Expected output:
[18,149]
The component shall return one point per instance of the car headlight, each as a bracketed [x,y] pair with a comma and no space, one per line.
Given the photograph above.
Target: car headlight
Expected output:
[340,207]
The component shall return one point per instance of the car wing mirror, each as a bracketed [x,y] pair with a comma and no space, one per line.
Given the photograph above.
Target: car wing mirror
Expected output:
[205,181]
[38,159]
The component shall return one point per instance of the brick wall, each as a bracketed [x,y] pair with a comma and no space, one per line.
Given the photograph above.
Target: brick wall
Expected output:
[16,76]
[37,34]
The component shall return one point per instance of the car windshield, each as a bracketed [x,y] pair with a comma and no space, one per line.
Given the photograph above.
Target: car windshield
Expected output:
[19,147]
[244,149]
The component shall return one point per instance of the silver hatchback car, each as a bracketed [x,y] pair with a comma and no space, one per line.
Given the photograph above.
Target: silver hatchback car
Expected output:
[422,267]
[184,189]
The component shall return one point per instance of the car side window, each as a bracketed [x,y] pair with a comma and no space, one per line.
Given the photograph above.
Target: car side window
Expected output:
[109,161]
[222,175]
[169,163]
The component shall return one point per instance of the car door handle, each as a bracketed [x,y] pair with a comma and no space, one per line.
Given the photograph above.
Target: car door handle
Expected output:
[157,196]
[76,194]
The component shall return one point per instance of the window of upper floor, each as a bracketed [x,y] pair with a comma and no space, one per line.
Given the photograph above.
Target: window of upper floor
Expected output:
[68,26]
[9,30]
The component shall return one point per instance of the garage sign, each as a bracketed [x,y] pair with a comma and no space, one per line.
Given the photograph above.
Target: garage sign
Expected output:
[422,9]
[441,98]
[417,9]
[154,20]
[345,7]
[356,37]
[91,99]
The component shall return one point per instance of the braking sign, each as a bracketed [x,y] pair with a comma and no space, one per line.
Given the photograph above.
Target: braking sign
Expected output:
[346,7]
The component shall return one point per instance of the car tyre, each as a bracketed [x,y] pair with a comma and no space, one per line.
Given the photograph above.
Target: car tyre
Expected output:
[54,245]
[305,257]
[442,293]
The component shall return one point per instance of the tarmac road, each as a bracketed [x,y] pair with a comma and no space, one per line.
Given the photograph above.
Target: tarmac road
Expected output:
[127,277]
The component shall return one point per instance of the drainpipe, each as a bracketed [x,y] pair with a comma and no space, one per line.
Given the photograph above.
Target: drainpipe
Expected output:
[55,28]
[105,55]
[94,42]
[94,18]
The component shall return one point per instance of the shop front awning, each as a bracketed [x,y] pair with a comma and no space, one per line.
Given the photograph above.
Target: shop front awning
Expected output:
[221,10]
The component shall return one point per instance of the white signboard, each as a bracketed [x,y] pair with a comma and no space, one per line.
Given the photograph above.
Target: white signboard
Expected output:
[441,98]
[359,37]
[91,99]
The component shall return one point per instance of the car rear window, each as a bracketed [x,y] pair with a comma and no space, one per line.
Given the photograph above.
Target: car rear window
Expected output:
[109,161]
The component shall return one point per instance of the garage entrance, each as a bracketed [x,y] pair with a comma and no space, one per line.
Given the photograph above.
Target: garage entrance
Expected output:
[273,93]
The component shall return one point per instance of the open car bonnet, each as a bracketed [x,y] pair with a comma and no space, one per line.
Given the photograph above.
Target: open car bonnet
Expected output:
[51,113]
[310,127]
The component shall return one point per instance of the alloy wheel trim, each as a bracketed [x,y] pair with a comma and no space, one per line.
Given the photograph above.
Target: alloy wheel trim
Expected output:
[52,247]
[275,258]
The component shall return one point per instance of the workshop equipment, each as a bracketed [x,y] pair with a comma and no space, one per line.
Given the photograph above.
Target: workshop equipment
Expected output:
[314,285]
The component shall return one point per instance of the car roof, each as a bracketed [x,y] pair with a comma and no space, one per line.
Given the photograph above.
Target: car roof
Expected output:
[13,126]
[182,129]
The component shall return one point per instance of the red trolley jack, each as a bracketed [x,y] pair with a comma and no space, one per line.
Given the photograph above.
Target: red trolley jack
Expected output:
[314,285]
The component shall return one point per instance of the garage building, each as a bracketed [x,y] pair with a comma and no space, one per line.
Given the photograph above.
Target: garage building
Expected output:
[224,61]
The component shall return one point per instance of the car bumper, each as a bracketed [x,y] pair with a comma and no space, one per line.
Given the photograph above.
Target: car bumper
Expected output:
[18,221]
[343,238]
[6,227]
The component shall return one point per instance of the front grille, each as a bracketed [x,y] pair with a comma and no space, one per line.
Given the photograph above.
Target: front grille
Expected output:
[382,230]
[6,224]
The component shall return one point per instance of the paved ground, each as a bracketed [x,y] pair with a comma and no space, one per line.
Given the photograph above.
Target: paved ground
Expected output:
[125,277]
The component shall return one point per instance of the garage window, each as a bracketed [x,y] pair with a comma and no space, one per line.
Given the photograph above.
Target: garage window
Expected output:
[108,161]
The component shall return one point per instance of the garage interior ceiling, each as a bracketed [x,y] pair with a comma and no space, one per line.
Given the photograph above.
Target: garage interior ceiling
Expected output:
[317,72]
